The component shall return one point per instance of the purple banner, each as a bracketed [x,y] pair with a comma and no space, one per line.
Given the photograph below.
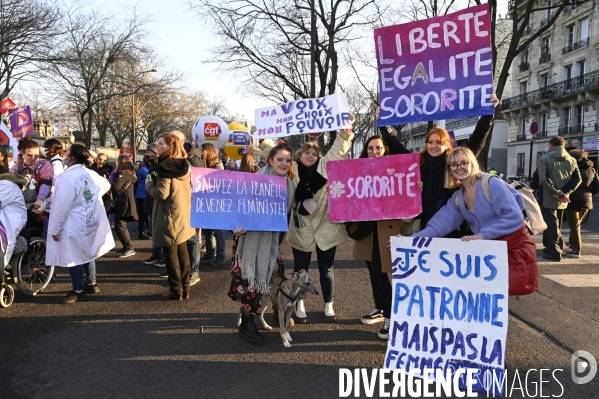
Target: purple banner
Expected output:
[21,123]
[438,68]
[225,200]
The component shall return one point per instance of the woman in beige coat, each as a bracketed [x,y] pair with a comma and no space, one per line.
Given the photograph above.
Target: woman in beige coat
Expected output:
[310,229]
[170,186]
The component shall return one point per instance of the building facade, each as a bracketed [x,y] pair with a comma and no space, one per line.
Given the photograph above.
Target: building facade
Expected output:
[555,83]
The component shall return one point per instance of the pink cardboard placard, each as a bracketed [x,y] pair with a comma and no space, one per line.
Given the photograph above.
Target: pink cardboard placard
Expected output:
[379,188]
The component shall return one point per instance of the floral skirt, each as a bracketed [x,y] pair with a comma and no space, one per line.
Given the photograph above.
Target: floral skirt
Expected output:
[240,290]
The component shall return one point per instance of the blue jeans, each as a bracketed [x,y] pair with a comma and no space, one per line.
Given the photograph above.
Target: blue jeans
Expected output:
[215,243]
[325,260]
[90,272]
[193,247]
[76,273]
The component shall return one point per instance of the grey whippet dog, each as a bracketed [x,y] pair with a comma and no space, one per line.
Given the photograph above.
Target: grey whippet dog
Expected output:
[284,294]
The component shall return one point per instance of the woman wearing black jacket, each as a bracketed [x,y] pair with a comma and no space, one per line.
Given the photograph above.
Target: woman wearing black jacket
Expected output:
[125,210]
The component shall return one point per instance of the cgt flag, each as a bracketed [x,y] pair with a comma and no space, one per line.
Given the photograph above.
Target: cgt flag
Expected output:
[6,105]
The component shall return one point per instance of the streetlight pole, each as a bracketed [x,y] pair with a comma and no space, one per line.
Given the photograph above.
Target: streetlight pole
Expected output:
[134,132]
[312,50]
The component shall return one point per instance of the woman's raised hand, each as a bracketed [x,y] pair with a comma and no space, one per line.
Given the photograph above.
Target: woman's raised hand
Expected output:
[239,231]
[420,184]
[494,100]
[377,113]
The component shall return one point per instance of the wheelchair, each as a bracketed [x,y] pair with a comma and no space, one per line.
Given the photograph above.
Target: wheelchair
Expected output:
[27,267]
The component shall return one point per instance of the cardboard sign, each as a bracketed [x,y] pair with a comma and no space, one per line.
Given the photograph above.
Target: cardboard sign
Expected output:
[438,68]
[303,116]
[450,308]
[226,200]
[378,188]
[6,105]
[21,123]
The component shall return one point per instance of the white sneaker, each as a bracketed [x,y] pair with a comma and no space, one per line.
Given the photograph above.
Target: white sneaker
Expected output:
[300,311]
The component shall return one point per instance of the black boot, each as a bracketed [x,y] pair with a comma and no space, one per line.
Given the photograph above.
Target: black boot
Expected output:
[248,330]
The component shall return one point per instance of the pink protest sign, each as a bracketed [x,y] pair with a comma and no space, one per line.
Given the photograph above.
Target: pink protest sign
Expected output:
[379,188]
[437,68]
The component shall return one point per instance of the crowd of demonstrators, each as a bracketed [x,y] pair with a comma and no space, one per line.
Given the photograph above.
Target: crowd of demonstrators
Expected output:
[78,225]
[256,254]
[125,209]
[558,178]
[310,229]
[170,187]
[215,239]
[581,200]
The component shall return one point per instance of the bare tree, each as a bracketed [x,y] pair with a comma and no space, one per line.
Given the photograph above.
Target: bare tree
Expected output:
[90,49]
[268,45]
[28,29]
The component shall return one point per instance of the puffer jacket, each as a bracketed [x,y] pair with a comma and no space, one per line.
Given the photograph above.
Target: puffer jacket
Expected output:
[194,156]
[557,172]
[316,228]
[123,189]
[171,208]
[582,197]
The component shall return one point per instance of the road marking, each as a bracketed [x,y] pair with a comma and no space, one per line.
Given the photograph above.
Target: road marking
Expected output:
[575,280]
[583,260]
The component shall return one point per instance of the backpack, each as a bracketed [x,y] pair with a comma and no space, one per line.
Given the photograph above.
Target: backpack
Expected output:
[532,212]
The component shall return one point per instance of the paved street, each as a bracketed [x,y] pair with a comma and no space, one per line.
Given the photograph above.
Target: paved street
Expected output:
[127,342]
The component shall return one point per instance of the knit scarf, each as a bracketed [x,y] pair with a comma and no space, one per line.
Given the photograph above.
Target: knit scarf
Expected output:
[258,251]
[310,181]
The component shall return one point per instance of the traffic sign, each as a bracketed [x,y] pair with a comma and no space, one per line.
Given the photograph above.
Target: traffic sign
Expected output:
[534,128]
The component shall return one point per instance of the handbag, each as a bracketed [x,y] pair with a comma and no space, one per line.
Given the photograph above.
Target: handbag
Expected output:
[30,192]
[522,262]
[410,226]
[358,231]
[111,208]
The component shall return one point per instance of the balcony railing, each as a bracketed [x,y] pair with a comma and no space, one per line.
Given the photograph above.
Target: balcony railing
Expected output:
[565,131]
[575,4]
[575,46]
[544,58]
[458,123]
[521,137]
[579,129]
[524,66]
[569,86]
[542,134]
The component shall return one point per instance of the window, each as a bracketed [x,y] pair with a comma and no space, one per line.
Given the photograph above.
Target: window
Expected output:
[546,46]
[544,125]
[548,10]
[568,77]
[569,35]
[567,121]
[523,127]
[521,160]
[579,118]
[523,86]
[581,69]
[544,81]
[584,29]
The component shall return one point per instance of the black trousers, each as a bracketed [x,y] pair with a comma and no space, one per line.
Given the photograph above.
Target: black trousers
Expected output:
[176,258]
[143,217]
[552,237]
[326,259]
[122,232]
[381,286]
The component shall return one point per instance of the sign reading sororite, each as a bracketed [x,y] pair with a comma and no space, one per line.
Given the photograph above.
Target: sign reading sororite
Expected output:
[303,116]
[226,200]
[438,68]
[449,309]
[378,188]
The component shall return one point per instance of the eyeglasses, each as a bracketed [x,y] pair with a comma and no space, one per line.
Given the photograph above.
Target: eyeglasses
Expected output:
[376,149]
[463,165]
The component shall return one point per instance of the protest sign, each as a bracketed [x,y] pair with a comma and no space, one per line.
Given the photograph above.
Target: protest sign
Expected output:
[303,116]
[450,308]
[378,188]
[21,123]
[438,68]
[226,200]
[6,105]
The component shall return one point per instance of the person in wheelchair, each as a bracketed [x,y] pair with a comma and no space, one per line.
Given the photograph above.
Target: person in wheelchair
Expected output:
[13,214]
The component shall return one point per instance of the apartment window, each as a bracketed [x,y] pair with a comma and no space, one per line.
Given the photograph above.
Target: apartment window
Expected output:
[544,125]
[544,81]
[567,117]
[523,87]
[523,127]
[521,160]
[570,35]
[584,29]
[546,46]
[568,76]
[548,10]
[580,118]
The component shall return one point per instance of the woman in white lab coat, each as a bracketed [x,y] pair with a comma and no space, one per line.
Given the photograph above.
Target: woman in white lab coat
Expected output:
[78,230]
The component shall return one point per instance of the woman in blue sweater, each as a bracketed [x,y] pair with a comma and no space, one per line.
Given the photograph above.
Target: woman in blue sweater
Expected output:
[500,219]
